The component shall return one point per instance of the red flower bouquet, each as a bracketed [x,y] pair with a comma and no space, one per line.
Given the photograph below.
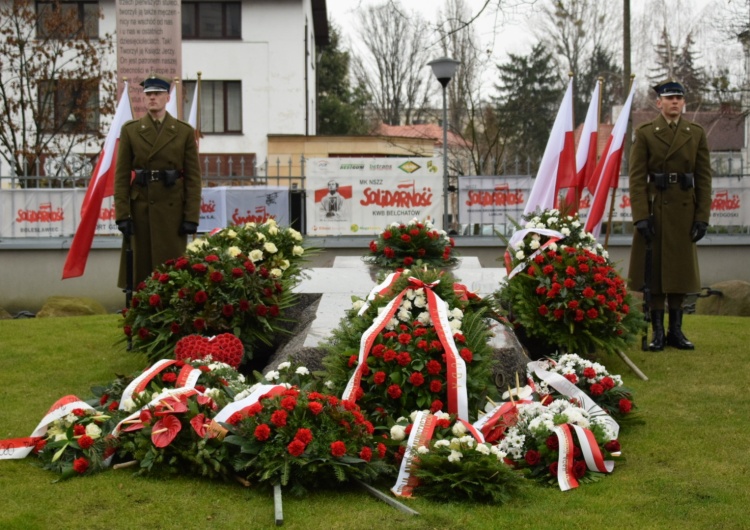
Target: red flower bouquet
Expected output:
[412,244]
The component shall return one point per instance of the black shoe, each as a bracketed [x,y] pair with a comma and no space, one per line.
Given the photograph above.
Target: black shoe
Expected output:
[675,338]
[657,324]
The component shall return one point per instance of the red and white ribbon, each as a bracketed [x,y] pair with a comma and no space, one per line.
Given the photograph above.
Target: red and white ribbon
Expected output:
[263,390]
[568,389]
[379,289]
[167,392]
[565,477]
[17,448]
[476,433]
[518,235]
[421,434]
[140,383]
[592,455]
[501,417]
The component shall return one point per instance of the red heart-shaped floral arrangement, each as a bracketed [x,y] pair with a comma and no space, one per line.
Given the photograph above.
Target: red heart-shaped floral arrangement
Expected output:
[225,348]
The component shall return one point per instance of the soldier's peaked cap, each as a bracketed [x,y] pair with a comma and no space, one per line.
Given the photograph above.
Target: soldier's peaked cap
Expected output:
[670,87]
[156,83]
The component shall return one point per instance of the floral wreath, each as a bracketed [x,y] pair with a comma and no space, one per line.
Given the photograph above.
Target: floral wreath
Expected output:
[413,244]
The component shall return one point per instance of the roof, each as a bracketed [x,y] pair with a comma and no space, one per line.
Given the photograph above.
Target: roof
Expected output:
[725,131]
[425,130]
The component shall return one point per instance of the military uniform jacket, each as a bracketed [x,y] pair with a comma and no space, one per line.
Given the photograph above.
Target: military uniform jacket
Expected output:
[156,209]
[659,149]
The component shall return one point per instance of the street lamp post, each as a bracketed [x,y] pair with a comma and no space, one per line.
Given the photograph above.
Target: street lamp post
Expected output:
[444,69]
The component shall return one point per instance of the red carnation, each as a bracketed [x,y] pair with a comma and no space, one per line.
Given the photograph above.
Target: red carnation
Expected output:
[295,448]
[174,328]
[613,446]
[169,377]
[304,435]
[433,367]
[596,389]
[379,378]
[217,276]
[235,418]
[548,269]
[387,234]
[365,454]
[466,354]
[262,432]
[394,391]
[288,403]
[199,268]
[416,379]
[154,300]
[315,407]
[543,310]
[80,465]
[79,430]
[278,418]
[436,405]
[382,449]
[589,373]
[436,386]
[85,441]
[608,383]
[573,378]
[588,292]
[261,310]
[338,449]
[373,246]
[406,238]
[573,304]
[404,338]
[592,313]
[403,358]
[625,405]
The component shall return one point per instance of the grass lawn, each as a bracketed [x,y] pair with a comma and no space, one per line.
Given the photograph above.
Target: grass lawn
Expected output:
[685,464]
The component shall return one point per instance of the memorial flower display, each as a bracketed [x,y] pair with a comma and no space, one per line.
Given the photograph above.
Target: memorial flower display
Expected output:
[410,245]
[573,299]
[559,443]
[236,280]
[604,389]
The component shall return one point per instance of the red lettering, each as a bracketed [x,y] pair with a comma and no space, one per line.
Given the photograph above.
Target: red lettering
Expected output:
[625,201]
[261,216]
[398,199]
[44,214]
[722,201]
[208,207]
[107,214]
[501,196]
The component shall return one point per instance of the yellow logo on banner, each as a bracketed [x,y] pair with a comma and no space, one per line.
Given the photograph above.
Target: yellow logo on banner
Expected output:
[409,166]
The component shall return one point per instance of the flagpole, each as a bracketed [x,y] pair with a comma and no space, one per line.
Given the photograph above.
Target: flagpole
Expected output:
[614,190]
[178,97]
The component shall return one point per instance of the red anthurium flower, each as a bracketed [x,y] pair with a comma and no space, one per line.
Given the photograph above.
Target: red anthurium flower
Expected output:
[199,424]
[165,430]
[170,405]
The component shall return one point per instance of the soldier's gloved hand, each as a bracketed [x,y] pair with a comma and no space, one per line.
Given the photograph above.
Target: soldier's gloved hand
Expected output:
[188,228]
[127,227]
[698,230]
[646,229]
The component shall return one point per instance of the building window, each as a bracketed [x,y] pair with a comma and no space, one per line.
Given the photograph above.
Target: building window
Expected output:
[220,105]
[211,20]
[62,19]
[69,105]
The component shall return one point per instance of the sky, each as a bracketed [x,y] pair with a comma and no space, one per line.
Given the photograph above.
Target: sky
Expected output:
[506,32]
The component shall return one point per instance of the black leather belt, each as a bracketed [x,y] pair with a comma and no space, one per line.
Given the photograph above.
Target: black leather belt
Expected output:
[154,175]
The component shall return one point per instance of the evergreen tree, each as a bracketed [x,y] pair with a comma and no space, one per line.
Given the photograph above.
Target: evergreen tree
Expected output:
[341,109]
[528,101]
[680,64]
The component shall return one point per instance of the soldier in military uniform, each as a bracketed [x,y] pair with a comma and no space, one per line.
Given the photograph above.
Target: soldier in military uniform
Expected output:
[157,183]
[670,192]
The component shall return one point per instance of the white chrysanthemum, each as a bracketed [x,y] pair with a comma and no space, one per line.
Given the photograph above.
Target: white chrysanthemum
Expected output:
[406,304]
[423,450]
[213,393]
[404,315]
[275,273]
[242,395]
[297,250]
[457,313]
[270,248]
[520,254]
[329,384]
[285,365]
[233,252]
[459,429]
[455,456]
[398,432]
[467,440]
[71,418]
[483,448]
[255,255]
[424,318]
[392,324]
[301,370]
[273,375]
[441,443]
[420,301]
[552,221]
[455,325]
[575,224]
[565,231]
[394,225]
[553,247]
[534,244]
[296,236]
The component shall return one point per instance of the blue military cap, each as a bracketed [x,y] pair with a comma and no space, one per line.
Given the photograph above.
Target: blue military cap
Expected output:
[670,87]
[156,83]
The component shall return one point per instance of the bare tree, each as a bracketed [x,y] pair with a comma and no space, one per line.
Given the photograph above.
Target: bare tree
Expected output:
[54,82]
[392,66]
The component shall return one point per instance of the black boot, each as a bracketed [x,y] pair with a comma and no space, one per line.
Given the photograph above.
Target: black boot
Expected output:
[657,323]
[675,338]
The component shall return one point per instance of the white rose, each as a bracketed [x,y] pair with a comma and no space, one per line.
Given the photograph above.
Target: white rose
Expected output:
[483,448]
[93,430]
[275,273]
[442,443]
[270,248]
[296,236]
[455,325]
[234,251]
[459,429]
[249,225]
[231,234]
[398,432]
[534,244]
[301,370]
[128,405]
[284,365]
[565,231]
[256,255]
[297,250]
[273,230]
[457,313]
[520,255]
